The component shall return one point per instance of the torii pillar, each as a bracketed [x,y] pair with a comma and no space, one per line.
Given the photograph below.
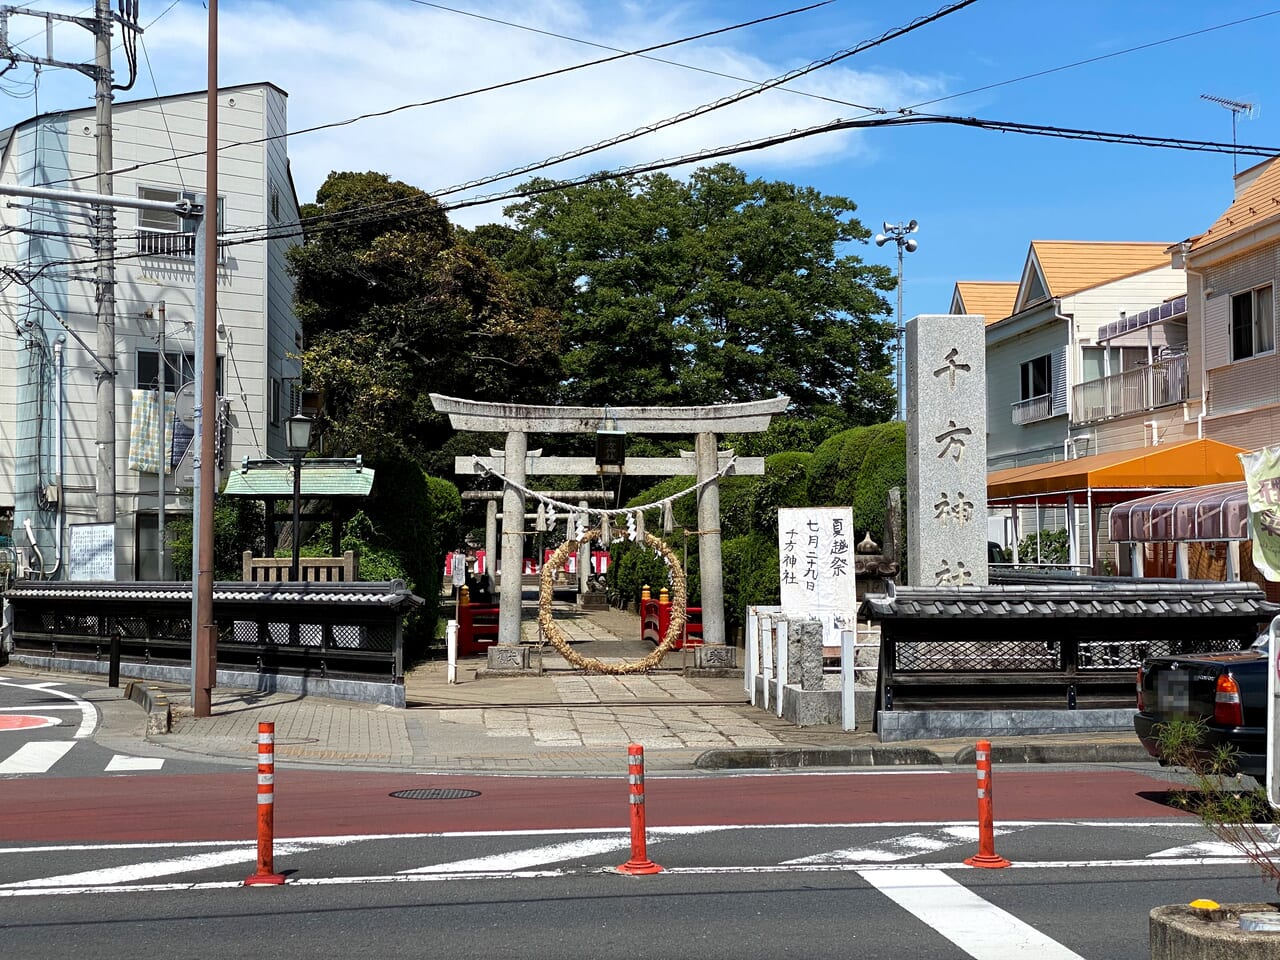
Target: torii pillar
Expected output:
[518,420]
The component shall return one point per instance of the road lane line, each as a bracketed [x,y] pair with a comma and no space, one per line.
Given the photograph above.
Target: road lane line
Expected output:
[88,715]
[133,872]
[976,926]
[899,848]
[532,857]
[36,757]
[120,762]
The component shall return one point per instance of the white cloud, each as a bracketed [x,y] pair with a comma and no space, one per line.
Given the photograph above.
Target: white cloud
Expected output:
[340,60]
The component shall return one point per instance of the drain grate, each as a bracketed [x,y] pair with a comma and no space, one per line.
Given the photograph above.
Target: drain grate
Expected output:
[435,794]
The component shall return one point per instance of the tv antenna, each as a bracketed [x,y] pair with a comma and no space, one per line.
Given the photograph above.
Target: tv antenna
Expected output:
[1237,107]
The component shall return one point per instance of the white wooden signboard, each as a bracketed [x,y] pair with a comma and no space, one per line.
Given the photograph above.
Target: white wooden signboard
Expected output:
[815,555]
[92,551]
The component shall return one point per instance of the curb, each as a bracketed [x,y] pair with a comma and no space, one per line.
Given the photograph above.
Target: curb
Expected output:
[153,700]
[789,757]
[773,758]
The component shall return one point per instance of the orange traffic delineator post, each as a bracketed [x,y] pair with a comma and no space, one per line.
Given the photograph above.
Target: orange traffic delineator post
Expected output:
[639,862]
[266,875]
[986,856]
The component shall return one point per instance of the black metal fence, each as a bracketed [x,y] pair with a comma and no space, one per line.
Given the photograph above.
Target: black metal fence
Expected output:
[330,630]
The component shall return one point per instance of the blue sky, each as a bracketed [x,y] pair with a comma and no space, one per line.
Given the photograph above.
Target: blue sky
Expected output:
[980,197]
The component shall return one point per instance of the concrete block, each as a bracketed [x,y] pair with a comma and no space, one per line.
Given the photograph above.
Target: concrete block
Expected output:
[504,658]
[810,708]
[1181,932]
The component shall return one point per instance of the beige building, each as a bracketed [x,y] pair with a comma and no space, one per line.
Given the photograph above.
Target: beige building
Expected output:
[48,362]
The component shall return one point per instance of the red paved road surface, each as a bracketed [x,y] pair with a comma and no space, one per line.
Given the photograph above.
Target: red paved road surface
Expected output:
[308,803]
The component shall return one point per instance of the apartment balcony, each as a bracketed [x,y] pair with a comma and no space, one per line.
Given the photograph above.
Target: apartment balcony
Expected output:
[179,246]
[1033,409]
[1134,391]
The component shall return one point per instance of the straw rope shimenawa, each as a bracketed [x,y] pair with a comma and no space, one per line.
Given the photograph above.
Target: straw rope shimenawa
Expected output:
[679,600]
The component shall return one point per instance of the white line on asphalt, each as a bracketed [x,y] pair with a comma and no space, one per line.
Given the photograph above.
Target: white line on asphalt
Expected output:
[300,882]
[899,848]
[979,928]
[515,860]
[88,716]
[26,890]
[133,872]
[1017,864]
[36,756]
[120,762]
[582,831]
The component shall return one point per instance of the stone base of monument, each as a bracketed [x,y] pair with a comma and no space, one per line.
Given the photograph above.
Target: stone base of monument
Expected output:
[506,660]
[593,600]
[810,708]
[711,660]
[896,725]
[1181,932]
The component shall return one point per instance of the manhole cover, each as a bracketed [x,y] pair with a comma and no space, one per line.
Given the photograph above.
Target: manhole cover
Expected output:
[435,794]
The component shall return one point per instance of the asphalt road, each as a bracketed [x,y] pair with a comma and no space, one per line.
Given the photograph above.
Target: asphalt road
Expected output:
[867,864]
[892,890]
[106,856]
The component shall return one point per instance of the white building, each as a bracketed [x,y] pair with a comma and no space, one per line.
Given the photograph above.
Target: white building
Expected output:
[48,371]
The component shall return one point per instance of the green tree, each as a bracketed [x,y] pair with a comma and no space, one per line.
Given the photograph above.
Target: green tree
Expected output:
[712,290]
[396,305]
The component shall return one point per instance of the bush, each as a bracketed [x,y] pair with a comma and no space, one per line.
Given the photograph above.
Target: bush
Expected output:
[884,466]
[1054,548]
[413,519]
[824,469]
[750,576]
[239,524]
[1232,812]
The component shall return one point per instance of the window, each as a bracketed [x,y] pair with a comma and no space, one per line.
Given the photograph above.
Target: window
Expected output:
[276,389]
[1037,377]
[179,370]
[273,203]
[164,232]
[1252,323]
[1095,365]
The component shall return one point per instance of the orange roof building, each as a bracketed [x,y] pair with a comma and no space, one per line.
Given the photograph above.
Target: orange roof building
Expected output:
[990,299]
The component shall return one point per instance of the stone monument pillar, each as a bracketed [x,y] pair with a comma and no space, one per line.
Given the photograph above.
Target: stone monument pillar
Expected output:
[584,556]
[512,537]
[491,540]
[946,451]
[710,568]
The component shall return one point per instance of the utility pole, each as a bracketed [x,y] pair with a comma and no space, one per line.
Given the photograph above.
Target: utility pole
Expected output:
[105,274]
[104,233]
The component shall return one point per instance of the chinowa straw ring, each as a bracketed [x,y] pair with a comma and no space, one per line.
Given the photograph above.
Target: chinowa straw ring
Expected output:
[679,600]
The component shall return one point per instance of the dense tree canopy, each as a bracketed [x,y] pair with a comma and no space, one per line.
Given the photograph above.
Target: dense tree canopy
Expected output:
[395,305]
[711,290]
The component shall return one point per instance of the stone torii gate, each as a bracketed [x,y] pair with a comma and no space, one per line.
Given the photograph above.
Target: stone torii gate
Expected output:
[516,464]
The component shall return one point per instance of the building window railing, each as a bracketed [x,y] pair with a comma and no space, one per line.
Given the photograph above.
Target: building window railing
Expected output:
[1133,391]
[1034,408]
[163,243]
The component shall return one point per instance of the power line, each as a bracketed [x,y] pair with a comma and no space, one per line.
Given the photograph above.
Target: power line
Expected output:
[642,56]
[755,90]
[375,213]
[468,93]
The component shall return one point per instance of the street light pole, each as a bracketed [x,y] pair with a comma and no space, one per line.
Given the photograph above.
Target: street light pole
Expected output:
[899,234]
[297,439]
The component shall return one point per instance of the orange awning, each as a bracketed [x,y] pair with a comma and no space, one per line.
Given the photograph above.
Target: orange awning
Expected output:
[1119,474]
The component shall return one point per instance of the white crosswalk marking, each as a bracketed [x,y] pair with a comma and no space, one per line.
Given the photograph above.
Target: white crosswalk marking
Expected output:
[532,857]
[36,757]
[131,873]
[979,928]
[899,848]
[119,762]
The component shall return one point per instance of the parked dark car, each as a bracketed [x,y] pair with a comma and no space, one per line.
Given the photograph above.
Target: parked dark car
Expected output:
[1227,691]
